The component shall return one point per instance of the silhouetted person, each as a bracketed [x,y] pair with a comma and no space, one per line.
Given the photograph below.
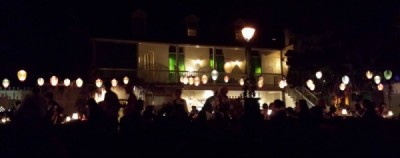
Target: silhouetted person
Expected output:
[304,113]
[149,114]
[32,110]
[112,104]
[193,113]
[55,111]
[317,111]
[131,122]
[370,112]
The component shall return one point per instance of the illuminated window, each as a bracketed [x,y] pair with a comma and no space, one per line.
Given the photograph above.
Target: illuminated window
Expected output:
[191,32]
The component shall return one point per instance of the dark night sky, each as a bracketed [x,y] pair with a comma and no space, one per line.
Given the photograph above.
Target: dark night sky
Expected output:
[53,36]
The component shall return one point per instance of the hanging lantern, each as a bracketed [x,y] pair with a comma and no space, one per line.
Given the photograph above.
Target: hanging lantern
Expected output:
[377,79]
[98,83]
[191,81]
[387,74]
[309,83]
[181,79]
[196,81]
[67,82]
[380,86]
[282,83]
[228,67]
[114,82]
[312,87]
[40,81]
[261,78]
[204,79]
[241,81]
[369,74]
[260,83]
[21,74]
[345,79]
[214,75]
[226,79]
[185,80]
[79,82]
[6,83]
[54,80]
[125,80]
[342,86]
[318,74]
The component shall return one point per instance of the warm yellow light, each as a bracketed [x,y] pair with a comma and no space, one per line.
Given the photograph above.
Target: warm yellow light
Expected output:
[380,86]
[312,87]
[125,80]
[226,79]
[269,112]
[54,80]
[40,81]
[6,83]
[248,33]
[342,86]
[369,74]
[318,74]
[114,82]
[67,82]
[282,84]
[197,62]
[79,82]
[75,116]
[204,79]
[185,80]
[98,83]
[68,119]
[228,67]
[21,74]
[260,83]
[196,81]
[344,112]
[309,83]
[191,81]
[390,113]
[214,75]
[241,81]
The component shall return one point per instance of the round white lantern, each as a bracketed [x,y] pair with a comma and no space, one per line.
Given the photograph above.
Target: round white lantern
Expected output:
[67,82]
[6,83]
[125,80]
[318,74]
[241,81]
[214,75]
[345,79]
[228,67]
[282,84]
[380,86]
[377,79]
[191,81]
[21,74]
[226,79]
[40,81]
[114,82]
[54,80]
[260,83]
[309,83]
[342,86]
[185,80]
[181,79]
[369,74]
[204,79]
[312,87]
[197,81]
[79,82]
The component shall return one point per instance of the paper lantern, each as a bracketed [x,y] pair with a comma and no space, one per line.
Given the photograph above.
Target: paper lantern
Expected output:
[345,79]
[204,79]
[214,75]
[125,80]
[387,74]
[54,80]
[40,81]
[21,74]
[380,86]
[312,87]
[344,112]
[228,67]
[342,86]
[114,82]
[241,81]
[309,83]
[99,83]
[261,78]
[260,83]
[377,79]
[369,74]
[6,83]
[226,79]
[191,81]
[181,79]
[196,81]
[318,74]
[79,82]
[282,84]
[67,82]
[185,80]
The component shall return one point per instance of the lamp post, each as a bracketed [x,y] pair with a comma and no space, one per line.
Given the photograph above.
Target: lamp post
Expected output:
[249,86]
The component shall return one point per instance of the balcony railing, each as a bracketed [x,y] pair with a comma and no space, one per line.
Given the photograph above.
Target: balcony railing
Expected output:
[173,77]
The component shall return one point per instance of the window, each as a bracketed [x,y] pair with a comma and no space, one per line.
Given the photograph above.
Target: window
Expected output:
[191,32]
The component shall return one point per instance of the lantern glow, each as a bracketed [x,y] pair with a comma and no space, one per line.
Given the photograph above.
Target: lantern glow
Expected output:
[67,82]
[114,82]
[204,79]
[226,79]
[21,74]
[248,33]
[318,74]
[377,79]
[214,75]
[125,80]
[54,80]
[241,81]
[369,74]
[99,83]
[79,82]
[345,79]
[6,83]
[40,81]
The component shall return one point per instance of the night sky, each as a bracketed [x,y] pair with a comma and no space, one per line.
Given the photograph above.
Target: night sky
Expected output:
[54,36]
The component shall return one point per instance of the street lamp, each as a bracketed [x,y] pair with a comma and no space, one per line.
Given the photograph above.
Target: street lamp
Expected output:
[249,85]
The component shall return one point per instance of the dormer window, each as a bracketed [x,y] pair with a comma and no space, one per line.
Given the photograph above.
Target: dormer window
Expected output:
[192,25]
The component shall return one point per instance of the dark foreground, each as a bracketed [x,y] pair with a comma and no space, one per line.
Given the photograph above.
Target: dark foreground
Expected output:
[330,138]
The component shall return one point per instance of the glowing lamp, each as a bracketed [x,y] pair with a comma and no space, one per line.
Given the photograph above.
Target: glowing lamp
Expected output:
[214,75]
[248,33]
[269,112]
[125,80]
[98,83]
[318,74]
[345,79]
[377,79]
[228,67]
[181,79]
[204,79]
[67,82]
[114,82]
[79,82]
[241,81]
[185,80]
[380,86]
[282,84]
[196,81]
[309,82]
[21,74]
[390,113]
[226,79]
[344,112]
[387,74]
[342,86]
[369,74]
[191,81]
[6,83]
[68,119]
[54,80]
[260,83]
[312,87]
[40,81]
[75,116]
